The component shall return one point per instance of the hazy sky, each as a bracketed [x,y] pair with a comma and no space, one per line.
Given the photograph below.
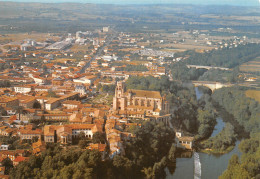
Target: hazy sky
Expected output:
[219,2]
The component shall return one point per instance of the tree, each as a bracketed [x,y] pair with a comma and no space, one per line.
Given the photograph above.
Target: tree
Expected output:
[36,105]
[123,165]
[5,83]
[45,69]
[99,137]
[172,152]
[207,122]
[35,139]
[3,112]
[8,164]
[249,145]
[83,144]
[149,173]
[19,110]
[235,170]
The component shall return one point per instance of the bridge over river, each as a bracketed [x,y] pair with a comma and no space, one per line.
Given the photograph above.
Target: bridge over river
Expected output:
[206,67]
[212,85]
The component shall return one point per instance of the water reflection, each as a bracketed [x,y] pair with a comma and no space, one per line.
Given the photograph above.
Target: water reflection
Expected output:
[219,126]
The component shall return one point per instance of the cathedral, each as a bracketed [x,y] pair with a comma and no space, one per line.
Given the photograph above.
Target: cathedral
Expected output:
[139,104]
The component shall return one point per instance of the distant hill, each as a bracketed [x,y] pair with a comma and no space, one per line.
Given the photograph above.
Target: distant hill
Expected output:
[57,17]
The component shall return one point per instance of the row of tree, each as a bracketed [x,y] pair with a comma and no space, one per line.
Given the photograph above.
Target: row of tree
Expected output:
[221,76]
[181,72]
[135,68]
[226,57]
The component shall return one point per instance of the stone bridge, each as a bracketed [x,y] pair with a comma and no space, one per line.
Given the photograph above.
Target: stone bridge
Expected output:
[206,67]
[211,85]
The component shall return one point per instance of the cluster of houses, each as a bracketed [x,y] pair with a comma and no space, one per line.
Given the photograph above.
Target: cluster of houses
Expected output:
[48,104]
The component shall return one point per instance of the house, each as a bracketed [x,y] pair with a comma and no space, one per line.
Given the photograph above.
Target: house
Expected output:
[28,133]
[77,118]
[7,131]
[109,58]
[66,133]
[19,159]
[28,114]
[4,147]
[22,89]
[184,142]
[56,102]
[85,80]
[116,145]
[57,81]
[39,80]
[88,111]
[52,104]
[9,102]
[161,71]
[59,117]
[42,88]
[26,101]
[99,147]
[2,171]
[38,147]
[8,153]
[81,89]
[71,104]
[10,111]
[50,133]
[2,129]
[114,138]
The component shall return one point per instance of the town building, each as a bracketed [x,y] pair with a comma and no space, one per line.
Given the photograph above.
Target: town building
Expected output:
[9,102]
[184,142]
[140,104]
[22,89]
[66,133]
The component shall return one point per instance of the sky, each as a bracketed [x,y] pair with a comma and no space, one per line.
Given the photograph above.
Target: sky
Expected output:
[205,2]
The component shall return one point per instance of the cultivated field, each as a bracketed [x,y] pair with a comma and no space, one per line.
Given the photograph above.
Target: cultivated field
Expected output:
[255,94]
[252,66]
[21,36]
[79,48]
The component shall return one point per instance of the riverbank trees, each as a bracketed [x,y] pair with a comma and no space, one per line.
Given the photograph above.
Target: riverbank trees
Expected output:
[207,122]
[222,141]
[247,112]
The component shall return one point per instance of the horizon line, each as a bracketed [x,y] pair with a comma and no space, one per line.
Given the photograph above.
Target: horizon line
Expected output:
[126,3]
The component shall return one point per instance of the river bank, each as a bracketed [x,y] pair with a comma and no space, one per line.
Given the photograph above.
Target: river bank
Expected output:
[212,164]
[223,140]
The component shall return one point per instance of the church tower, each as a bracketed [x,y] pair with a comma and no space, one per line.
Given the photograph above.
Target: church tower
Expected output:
[119,101]
[120,89]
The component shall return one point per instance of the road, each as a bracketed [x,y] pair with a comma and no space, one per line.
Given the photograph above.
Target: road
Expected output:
[99,51]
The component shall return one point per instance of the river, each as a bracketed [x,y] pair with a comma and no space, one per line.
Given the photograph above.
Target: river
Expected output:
[212,166]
